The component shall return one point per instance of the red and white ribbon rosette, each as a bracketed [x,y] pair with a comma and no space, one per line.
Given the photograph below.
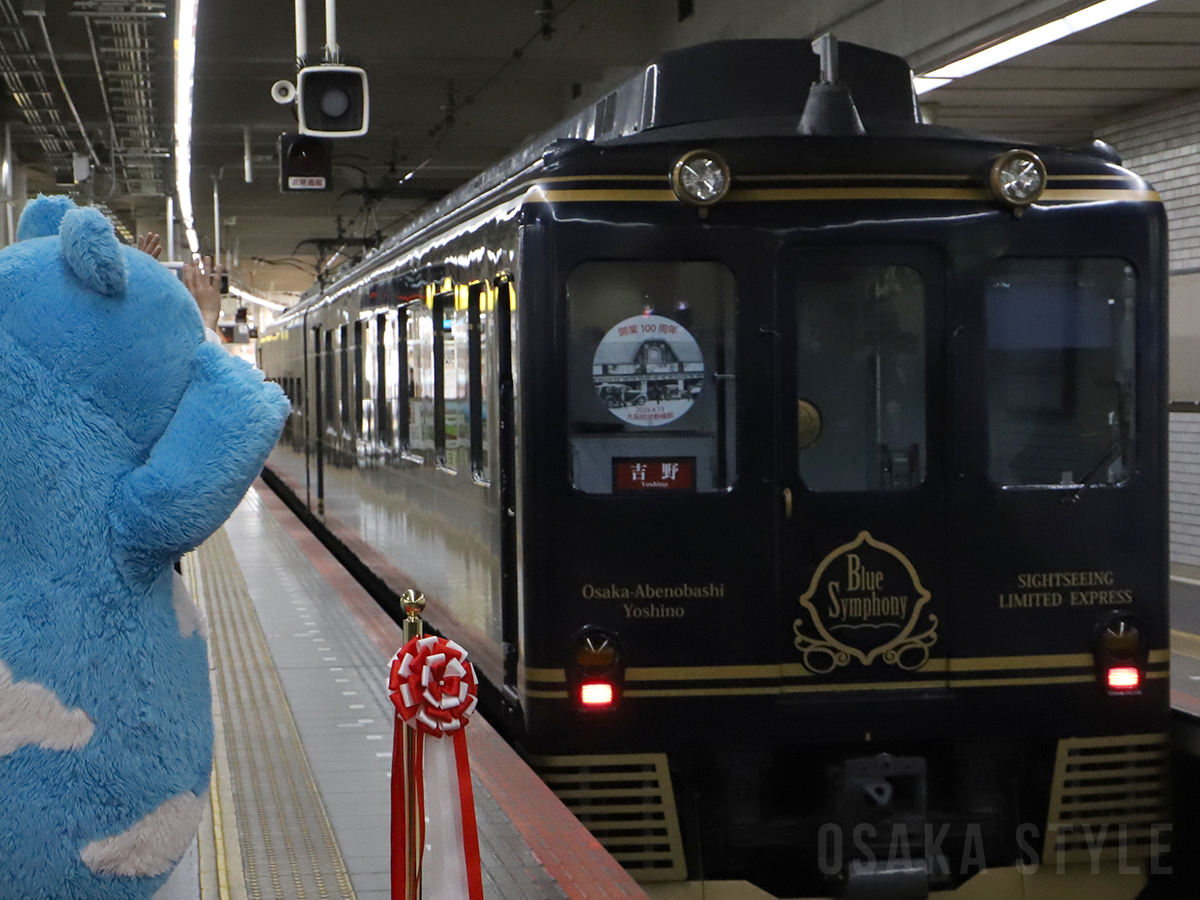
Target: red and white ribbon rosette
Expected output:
[434,691]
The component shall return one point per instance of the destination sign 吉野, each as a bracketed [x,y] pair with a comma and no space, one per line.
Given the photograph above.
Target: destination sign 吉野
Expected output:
[676,474]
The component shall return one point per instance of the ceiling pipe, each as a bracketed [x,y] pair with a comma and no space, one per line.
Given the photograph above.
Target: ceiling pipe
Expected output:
[247,157]
[6,185]
[170,229]
[87,141]
[216,223]
[301,34]
[333,53]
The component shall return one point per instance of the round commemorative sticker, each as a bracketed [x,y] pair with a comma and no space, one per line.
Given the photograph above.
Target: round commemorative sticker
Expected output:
[648,370]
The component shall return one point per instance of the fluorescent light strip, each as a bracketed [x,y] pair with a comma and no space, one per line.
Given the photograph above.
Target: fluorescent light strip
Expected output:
[1023,43]
[259,301]
[185,70]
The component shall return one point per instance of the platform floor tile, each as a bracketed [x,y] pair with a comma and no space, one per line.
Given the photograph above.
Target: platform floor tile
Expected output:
[305,727]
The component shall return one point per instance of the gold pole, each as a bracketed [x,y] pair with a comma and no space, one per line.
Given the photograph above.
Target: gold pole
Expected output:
[414,604]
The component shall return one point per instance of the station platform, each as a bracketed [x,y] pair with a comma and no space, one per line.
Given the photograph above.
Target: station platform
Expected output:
[300,795]
[1185,639]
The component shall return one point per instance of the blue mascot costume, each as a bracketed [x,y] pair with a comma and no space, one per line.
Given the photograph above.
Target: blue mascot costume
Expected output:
[125,440]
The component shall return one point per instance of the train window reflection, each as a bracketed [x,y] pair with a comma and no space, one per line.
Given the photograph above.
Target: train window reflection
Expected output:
[330,393]
[651,395]
[421,368]
[1060,371]
[860,363]
[344,379]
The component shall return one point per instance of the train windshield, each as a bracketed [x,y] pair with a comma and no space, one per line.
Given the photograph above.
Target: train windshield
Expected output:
[860,377]
[1060,371]
[651,395]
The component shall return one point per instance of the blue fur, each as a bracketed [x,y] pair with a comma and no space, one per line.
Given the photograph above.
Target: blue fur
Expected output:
[91,251]
[124,441]
[42,216]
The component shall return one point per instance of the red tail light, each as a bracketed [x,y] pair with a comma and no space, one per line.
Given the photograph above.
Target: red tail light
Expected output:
[596,671]
[1124,678]
[596,694]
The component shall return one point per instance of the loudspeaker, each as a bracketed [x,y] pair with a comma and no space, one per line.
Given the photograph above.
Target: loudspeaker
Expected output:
[332,101]
[305,163]
[283,92]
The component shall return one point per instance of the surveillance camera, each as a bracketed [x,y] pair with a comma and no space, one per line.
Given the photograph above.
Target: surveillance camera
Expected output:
[283,92]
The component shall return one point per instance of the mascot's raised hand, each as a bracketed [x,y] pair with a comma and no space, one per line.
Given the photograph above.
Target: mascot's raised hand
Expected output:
[125,440]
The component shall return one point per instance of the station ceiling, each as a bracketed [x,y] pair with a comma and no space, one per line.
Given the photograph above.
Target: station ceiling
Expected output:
[456,85]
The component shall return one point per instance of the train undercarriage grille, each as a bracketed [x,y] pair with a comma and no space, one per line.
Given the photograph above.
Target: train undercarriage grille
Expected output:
[1108,799]
[626,802]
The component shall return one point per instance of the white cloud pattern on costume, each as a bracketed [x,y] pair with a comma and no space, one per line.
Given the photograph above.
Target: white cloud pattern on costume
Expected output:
[32,714]
[153,844]
[187,614]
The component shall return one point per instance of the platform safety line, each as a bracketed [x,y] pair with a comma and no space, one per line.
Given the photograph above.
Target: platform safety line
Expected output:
[239,649]
[260,704]
[219,833]
[1185,643]
[340,872]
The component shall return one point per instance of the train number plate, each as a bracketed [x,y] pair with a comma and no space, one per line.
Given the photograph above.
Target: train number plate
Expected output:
[658,474]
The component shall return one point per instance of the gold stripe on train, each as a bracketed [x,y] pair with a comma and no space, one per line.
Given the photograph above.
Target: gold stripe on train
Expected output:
[931,684]
[760,195]
[1083,195]
[848,687]
[828,176]
[794,670]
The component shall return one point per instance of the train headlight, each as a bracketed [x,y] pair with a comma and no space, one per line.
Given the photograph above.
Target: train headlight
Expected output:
[596,671]
[1121,639]
[1018,178]
[700,178]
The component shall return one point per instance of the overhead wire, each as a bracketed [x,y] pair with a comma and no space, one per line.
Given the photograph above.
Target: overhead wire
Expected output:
[448,118]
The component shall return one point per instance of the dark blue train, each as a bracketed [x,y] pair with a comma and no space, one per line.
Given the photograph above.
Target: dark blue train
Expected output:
[794,472]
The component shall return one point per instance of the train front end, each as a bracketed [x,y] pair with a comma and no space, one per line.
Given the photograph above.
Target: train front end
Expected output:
[842,510]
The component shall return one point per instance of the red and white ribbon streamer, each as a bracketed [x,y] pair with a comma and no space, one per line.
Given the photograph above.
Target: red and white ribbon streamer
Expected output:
[434,691]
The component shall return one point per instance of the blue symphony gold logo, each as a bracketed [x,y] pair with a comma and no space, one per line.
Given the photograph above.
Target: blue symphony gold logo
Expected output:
[865,602]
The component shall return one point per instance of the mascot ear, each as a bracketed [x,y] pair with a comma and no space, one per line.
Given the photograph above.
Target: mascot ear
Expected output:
[91,250]
[42,217]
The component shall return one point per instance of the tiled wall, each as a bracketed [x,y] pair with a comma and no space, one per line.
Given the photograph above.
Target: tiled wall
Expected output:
[1185,488]
[1162,144]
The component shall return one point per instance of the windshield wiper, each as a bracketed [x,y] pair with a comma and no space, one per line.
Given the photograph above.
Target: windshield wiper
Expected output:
[1110,453]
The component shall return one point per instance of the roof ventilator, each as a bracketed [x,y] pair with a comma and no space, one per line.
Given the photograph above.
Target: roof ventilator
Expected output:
[830,110]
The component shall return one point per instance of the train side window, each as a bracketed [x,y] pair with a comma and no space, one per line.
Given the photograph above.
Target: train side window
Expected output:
[361,422]
[860,363]
[330,387]
[385,350]
[1060,371]
[344,376]
[400,384]
[456,346]
[651,398]
[421,380]
[477,324]
[446,410]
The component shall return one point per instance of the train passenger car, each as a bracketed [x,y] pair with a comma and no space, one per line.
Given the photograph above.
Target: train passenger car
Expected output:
[793,471]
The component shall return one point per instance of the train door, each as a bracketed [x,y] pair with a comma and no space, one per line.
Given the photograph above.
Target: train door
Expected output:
[862,437]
